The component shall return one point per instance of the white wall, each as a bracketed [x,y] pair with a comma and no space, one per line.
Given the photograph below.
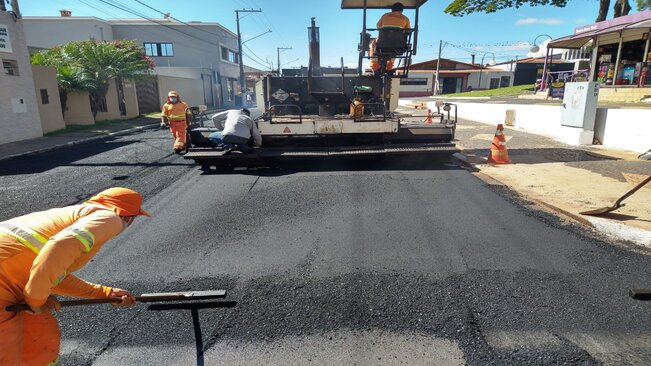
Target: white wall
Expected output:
[628,129]
[47,32]
[19,115]
[486,75]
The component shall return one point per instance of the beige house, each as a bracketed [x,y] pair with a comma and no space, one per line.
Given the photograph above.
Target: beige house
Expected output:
[120,103]
[47,95]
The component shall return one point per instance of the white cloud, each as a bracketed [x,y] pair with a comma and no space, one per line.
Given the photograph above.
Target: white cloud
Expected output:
[546,21]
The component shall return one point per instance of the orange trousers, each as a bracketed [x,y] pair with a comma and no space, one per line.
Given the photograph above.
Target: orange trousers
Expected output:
[178,131]
[27,339]
[374,63]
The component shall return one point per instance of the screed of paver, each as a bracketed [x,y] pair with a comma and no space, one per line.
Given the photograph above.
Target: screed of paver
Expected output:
[575,190]
[341,348]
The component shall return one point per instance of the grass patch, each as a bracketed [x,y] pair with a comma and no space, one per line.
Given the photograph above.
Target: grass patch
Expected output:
[512,90]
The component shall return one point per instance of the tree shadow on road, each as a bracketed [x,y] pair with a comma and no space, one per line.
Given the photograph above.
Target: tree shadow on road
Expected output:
[41,162]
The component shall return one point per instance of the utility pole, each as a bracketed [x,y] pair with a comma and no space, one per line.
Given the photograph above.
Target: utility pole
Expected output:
[15,8]
[239,46]
[438,67]
[278,50]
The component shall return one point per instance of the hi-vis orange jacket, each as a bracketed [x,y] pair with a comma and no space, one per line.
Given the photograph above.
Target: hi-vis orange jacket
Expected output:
[176,112]
[394,19]
[38,251]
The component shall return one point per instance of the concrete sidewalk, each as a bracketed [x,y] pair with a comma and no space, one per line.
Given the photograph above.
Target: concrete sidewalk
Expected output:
[567,179]
[67,138]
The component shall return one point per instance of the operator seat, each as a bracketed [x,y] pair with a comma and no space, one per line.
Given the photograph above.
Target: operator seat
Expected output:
[392,42]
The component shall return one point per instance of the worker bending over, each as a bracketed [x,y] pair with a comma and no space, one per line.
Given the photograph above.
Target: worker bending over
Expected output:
[38,253]
[177,114]
[393,19]
[238,130]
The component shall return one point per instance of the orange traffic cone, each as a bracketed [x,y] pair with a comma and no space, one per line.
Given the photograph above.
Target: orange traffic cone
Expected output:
[429,117]
[499,154]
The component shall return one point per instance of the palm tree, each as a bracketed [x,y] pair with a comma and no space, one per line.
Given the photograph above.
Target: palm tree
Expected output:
[91,66]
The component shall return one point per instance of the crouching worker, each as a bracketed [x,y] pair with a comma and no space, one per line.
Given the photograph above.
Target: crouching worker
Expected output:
[38,253]
[238,130]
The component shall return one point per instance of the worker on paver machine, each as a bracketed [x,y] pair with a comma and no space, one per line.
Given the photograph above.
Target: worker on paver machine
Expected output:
[392,20]
[177,114]
[38,253]
[239,130]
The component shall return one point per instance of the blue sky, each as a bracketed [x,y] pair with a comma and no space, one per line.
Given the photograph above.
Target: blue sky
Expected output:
[507,33]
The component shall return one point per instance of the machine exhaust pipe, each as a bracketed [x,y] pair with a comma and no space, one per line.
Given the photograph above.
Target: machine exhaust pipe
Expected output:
[314,47]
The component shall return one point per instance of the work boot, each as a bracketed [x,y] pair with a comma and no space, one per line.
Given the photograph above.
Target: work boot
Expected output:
[177,151]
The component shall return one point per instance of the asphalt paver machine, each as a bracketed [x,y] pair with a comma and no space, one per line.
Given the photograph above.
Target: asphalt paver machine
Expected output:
[341,112]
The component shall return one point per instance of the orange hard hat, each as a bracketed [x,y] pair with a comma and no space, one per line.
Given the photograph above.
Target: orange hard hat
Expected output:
[123,201]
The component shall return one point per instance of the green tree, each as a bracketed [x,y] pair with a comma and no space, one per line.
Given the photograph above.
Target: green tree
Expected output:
[643,5]
[465,7]
[91,66]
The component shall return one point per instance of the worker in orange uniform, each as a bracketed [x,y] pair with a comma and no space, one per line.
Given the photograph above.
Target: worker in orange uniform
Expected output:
[38,253]
[393,19]
[177,114]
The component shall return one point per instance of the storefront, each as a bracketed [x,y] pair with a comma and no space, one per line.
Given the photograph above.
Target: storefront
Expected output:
[621,54]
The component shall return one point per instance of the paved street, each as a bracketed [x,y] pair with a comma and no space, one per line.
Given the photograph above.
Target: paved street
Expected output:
[340,264]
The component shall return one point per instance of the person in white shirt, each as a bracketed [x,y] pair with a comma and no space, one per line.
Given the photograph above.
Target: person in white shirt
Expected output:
[238,130]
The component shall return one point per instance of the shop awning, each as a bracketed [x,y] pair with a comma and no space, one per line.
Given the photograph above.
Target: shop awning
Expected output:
[637,20]
[579,40]
[641,24]
[576,41]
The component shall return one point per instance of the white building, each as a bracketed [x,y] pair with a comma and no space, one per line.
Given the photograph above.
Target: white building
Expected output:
[19,114]
[198,59]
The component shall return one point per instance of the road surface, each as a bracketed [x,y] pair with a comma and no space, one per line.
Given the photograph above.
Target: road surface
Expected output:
[342,264]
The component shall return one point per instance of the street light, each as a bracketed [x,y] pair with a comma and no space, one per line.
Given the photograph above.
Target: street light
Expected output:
[259,35]
[491,63]
[535,48]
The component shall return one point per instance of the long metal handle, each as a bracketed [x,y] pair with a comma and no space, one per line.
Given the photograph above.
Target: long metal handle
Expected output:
[629,193]
[25,307]
[152,297]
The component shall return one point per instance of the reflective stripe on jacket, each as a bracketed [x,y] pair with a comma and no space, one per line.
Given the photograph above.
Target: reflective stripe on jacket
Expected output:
[39,251]
[35,241]
[175,112]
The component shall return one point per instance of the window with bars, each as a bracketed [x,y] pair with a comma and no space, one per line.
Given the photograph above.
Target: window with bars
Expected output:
[159,49]
[10,67]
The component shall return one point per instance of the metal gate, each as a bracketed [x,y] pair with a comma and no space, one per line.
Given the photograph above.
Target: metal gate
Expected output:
[147,95]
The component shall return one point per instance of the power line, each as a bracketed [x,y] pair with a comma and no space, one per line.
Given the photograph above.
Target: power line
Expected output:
[255,61]
[136,13]
[116,19]
[180,21]
[253,53]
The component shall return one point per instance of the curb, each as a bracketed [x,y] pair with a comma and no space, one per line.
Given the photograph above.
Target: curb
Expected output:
[82,140]
[600,225]
[494,182]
